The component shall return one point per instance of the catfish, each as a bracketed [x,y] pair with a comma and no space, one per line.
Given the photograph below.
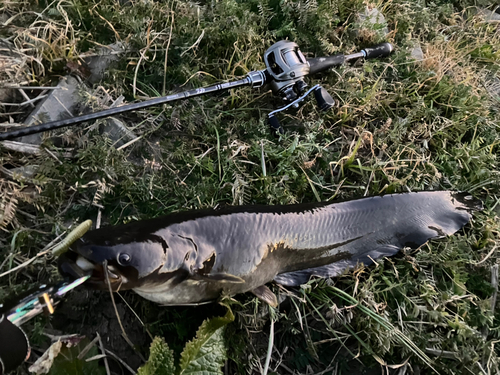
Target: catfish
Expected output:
[197,256]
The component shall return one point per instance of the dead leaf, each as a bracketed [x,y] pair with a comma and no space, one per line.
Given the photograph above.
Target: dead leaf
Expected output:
[44,363]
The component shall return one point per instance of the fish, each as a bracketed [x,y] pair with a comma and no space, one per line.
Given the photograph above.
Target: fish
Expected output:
[195,257]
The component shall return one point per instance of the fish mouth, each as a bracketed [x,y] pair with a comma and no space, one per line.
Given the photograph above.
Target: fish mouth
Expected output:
[102,275]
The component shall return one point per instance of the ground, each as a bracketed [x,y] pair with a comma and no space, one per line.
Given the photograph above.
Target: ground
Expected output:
[424,118]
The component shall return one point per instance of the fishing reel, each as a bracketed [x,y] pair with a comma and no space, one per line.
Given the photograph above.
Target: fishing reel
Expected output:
[286,68]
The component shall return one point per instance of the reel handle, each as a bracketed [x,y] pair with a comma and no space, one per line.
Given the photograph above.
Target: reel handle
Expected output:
[275,126]
[323,99]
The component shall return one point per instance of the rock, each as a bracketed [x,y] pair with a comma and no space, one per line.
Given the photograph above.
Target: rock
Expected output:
[13,64]
[375,18]
[118,132]
[106,57]
[30,149]
[417,53]
[488,15]
[6,95]
[25,173]
[60,103]
[13,71]
[493,87]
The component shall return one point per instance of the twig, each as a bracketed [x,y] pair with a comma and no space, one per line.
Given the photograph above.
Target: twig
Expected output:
[143,54]
[46,250]
[26,97]
[269,348]
[481,368]
[12,86]
[85,350]
[442,353]
[262,158]
[121,361]
[27,148]
[368,184]
[195,43]
[166,56]
[95,358]
[494,284]
[137,316]
[103,351]
[287,368]
[29,101]
[117,36]
[98,220]
[22,265]
[24,148]
[129,143]
[65,108]
[487,256]
[53,156]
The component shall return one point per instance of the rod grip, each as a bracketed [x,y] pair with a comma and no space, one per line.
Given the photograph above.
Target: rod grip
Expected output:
[320,64]
[380,50]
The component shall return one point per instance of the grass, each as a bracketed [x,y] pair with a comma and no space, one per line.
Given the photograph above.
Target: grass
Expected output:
[401,125]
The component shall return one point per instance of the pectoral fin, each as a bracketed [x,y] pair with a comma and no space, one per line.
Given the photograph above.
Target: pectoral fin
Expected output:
[220,277]
[266,295]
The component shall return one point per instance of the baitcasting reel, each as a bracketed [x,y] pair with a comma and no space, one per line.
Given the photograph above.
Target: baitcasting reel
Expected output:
[286,68]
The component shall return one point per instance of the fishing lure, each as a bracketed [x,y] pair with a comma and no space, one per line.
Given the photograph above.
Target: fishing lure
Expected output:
[75,234]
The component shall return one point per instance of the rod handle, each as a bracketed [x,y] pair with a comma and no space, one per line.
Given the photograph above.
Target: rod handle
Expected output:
[380,50]
[320,64]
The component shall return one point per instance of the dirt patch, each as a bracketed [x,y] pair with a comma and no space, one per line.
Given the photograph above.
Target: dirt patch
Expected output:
[86,312]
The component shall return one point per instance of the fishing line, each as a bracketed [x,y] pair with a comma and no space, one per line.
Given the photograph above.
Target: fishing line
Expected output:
[124,334]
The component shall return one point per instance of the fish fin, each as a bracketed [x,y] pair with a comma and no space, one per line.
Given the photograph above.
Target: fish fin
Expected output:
[300,277]
[221,277]
[265,295]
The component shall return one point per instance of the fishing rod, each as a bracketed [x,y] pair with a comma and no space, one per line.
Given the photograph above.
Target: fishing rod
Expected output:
[286,68]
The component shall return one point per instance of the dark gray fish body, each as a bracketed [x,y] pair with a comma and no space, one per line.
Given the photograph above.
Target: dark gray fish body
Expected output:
[196,256]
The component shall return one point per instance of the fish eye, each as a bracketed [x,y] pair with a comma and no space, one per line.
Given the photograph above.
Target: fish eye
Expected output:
[123,259]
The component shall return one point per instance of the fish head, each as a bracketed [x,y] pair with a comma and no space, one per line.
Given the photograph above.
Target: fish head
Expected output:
[119,259]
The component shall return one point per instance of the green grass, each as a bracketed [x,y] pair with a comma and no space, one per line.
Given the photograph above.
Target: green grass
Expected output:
[401,125]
